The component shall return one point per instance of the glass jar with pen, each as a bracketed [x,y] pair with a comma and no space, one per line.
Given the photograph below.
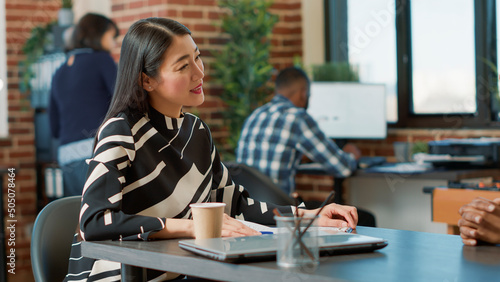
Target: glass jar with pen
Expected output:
[297,242]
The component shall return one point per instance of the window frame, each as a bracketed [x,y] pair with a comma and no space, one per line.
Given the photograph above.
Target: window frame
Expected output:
[336,47]
[485,47]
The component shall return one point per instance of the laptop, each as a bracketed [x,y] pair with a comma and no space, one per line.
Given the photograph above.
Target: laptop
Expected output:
[263,247]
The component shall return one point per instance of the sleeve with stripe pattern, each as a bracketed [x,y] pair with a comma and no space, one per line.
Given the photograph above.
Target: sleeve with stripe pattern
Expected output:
[101,216]
[313,143]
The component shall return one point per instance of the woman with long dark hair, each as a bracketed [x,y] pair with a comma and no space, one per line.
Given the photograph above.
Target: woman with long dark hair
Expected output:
[151,159]
[81,92]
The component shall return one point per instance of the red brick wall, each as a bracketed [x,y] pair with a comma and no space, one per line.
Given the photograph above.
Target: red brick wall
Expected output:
[18,149]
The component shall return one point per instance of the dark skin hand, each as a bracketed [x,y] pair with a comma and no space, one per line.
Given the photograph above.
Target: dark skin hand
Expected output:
[480,221]
[351,148]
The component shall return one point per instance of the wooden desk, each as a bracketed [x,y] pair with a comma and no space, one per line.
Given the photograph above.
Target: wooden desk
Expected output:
[410,256]
[447,201]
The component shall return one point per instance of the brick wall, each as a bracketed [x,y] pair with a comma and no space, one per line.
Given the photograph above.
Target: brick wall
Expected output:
[18,149]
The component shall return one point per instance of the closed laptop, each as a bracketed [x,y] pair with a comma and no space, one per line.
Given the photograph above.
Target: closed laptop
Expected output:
[234,249]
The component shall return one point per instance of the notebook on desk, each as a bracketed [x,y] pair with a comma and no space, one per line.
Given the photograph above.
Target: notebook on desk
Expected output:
[234,249]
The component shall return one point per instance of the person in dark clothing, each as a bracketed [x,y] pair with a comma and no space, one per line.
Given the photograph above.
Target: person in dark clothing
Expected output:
[81,92]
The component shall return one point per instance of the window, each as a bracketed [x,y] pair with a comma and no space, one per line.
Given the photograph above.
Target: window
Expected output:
[371,35]
[443,56]
[3,73]
[437,49]
[466,110]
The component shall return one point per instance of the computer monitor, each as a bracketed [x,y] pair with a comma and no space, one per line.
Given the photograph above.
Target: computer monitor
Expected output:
[349,110]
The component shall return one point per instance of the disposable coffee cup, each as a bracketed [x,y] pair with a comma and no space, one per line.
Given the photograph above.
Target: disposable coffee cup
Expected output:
[207,219]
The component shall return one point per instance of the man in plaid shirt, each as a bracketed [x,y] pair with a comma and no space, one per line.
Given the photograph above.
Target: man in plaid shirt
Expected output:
[278,134]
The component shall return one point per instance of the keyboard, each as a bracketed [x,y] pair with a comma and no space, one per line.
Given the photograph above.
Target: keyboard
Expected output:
[367,162]
[363,162]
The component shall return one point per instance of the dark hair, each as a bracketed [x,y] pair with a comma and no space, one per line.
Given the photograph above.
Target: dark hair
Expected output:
[289,75]
[90,29]
[142,51]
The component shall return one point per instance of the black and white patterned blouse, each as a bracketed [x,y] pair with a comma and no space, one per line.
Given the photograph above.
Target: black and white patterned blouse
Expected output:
[144,170]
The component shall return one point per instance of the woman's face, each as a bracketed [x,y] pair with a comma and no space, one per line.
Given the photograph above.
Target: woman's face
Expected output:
[108,40]
[180,78]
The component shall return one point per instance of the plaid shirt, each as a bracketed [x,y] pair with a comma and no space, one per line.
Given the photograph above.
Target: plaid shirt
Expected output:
[276,136]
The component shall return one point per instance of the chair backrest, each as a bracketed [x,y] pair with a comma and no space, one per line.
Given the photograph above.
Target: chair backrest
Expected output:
[259,185]
[52,236]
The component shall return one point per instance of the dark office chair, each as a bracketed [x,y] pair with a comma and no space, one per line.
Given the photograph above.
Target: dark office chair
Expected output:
[52,237]
[262,188]
[259,185]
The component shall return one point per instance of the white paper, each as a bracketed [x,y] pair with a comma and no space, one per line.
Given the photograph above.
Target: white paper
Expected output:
[322,230]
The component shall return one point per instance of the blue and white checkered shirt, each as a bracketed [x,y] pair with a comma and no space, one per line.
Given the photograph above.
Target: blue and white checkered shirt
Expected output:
[276,136]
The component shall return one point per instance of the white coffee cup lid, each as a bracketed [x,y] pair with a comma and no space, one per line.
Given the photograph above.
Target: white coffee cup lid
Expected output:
[207,205]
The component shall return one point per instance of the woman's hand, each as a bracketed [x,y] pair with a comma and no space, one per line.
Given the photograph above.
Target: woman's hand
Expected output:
[234,228]
[336,216]
[480,221]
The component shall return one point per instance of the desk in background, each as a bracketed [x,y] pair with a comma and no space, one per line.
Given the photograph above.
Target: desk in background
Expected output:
[395,196]
[410,256]
[398,200]
[447,201]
